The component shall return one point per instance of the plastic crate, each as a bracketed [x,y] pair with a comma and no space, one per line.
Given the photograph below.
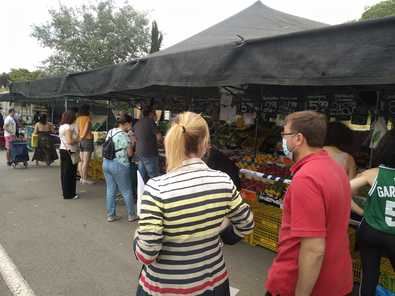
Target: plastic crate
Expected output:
[266,239]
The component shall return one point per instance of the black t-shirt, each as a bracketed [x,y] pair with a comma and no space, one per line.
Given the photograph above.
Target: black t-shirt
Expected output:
[145,131]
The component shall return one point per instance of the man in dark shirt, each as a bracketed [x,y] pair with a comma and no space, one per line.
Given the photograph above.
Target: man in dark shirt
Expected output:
[147,136]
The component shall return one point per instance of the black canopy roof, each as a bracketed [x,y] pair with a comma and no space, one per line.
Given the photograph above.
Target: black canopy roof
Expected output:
[274,48]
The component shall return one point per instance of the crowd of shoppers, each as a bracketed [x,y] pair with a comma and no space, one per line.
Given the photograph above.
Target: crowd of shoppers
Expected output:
[195,207]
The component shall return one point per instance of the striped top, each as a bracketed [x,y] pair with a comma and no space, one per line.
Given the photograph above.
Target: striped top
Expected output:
[177,239]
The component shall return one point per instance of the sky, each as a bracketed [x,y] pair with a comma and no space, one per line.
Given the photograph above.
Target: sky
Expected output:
[177,19]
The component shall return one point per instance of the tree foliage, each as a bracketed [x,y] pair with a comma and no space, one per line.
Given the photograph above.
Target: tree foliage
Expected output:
[4,80]
[24,74]
[156,38]
[91,36]
[382,9]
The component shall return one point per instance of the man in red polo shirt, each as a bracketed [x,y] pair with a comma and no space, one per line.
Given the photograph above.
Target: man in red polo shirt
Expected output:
[313,255]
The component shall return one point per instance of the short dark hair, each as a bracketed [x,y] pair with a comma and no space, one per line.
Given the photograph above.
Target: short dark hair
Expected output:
[124,118]
[147,111]
[11,110]
[84,110]
[385,152]
[68,117]
[312,125]
[338,135]
[43,119]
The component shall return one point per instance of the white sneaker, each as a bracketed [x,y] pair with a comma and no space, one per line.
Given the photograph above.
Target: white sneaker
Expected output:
[76,196]
[132,218]
[87,182]
[113,218]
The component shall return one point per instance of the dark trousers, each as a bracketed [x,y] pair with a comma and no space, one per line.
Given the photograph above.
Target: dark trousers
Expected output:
[68,174]
[373,245]
[222,290]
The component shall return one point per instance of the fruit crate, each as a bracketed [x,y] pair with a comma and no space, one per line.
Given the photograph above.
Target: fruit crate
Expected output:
[265,239]
[249,239]
[387,274]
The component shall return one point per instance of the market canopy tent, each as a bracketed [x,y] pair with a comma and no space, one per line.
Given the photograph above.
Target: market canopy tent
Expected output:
[273,49]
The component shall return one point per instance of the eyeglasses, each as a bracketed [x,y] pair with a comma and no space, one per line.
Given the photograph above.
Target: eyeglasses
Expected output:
[288,134]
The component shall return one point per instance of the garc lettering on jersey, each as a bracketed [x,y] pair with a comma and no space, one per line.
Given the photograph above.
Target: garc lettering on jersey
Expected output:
[386,191]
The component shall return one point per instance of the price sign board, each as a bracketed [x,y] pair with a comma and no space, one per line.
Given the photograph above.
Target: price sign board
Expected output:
[270,106]
[287,105]
[389,105]
[248,107]
[317,103]
[342,106]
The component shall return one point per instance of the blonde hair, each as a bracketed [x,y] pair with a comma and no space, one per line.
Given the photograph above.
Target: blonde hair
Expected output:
[189,134]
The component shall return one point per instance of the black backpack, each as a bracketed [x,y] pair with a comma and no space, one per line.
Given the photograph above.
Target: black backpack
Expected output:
[109,148]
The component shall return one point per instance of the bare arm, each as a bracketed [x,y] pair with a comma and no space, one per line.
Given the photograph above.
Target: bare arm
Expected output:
[311,255]
[351,167]
[363,179]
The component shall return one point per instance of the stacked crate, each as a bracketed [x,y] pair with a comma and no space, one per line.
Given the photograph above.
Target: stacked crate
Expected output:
[267,220]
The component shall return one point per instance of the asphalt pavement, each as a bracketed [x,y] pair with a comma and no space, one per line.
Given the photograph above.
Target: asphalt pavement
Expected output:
[66,247]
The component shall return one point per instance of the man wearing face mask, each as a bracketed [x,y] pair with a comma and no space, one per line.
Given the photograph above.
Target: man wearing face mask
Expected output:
[313,254]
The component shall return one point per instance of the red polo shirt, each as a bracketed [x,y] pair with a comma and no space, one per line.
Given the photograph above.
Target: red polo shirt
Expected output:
[317,204]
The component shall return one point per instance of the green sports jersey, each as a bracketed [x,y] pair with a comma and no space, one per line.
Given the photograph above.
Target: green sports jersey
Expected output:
[380,207]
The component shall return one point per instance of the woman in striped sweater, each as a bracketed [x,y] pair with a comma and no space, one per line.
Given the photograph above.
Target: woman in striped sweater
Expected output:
[178,238]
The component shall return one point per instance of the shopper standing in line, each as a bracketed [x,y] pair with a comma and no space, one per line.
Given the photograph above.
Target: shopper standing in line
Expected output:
[45,150]
[10,128]
[117,171]
[68,155]
[178,238]
[147,136]
[84,127]
[313,254]
[376,234]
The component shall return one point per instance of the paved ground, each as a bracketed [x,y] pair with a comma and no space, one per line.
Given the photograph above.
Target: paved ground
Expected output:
[66,247]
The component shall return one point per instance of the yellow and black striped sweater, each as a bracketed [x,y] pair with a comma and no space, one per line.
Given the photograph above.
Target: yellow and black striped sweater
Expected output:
[178,235]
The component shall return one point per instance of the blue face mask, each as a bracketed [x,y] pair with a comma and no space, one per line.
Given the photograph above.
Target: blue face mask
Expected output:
[286,151]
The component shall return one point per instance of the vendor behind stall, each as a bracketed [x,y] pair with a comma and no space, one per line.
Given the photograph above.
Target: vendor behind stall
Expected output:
[218,161]
[338,138]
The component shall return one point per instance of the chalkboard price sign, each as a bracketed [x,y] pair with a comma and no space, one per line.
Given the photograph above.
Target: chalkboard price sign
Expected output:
[270,105]
[390,105]
[317,103]
[248,107]
[288,105]
[342,106]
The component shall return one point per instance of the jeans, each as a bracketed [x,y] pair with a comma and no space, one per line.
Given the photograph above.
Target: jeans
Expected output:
[117,178]
[149,167]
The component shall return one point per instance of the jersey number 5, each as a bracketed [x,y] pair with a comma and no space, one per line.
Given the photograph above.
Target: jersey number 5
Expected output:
[390,213]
